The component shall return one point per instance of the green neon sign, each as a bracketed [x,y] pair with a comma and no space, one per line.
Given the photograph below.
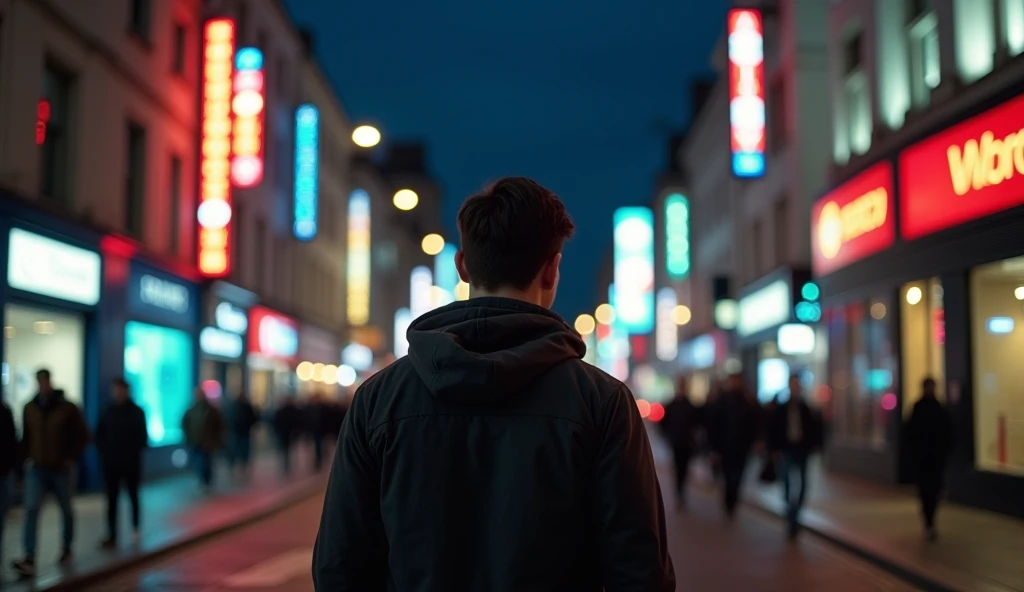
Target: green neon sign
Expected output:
[677,236]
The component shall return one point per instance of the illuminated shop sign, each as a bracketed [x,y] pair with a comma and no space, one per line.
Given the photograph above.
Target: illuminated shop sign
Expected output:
[247,108]
[634,269]
[218,342]
[795,339]
[214,212]
[703,352]
[45,266]
[231,318]
[677,236]
[273,335]
[358,269]
[666,339]
[421,300]
[766,308]
[853,221]
[163,294]
[971,170]
[307,171]
[746,92]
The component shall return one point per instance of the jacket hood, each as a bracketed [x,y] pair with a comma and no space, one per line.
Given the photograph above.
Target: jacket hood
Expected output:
[484,349]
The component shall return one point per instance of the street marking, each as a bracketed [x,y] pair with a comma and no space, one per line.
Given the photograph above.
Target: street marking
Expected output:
[274,572]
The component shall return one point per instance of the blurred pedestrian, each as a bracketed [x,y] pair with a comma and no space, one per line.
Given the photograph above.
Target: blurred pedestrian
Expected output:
[733,422]
[54,436]
[680,426]
[8,459]
[240,417]
[203,426]
[317,419]
[492,457]
[121,436]
[289,423]
[794,433]
[929,438]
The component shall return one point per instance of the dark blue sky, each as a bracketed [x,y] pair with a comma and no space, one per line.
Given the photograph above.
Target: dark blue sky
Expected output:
[581,96]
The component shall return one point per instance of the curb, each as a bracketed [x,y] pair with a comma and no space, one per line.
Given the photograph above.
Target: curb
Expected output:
[80,581]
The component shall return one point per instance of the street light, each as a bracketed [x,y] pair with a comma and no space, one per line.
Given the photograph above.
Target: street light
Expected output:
[432,244]
[366,136]
[406,199]
[585,324]
[605,314]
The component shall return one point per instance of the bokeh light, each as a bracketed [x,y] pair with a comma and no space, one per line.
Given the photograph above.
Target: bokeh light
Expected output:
[366,136]
[462,291]
[585,324]
[406,199]
[682,314]
[432,244]
[605,314]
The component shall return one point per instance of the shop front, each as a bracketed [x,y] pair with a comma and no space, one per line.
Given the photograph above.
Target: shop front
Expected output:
[705,360]
[321,356]
[222,340]
[929,283]
[272,356]
[777,333]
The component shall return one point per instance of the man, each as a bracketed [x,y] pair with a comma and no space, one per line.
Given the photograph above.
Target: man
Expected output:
[794,433]
[929,437]
[732,431]
[492,457]
[203,426]
[121,436]
[680,427]
[54,436]
[240,417]
[288,423]
[8,460]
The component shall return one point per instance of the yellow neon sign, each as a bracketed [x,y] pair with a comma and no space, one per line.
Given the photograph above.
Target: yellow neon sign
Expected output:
[839,225]
[986,163]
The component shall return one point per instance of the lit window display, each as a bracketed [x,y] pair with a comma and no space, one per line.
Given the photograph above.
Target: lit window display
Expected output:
[923,338]
[158,366]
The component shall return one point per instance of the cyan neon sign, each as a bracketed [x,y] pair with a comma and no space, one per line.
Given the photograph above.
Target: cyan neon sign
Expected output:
[307,168]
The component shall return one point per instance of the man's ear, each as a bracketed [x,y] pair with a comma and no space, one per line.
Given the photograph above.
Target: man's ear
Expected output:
[549,273]
[460,264]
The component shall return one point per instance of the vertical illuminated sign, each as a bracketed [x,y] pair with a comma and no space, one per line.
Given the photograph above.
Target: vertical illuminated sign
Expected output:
[247,107]
[746,92]
[214,211]
[446,275]
[358,271]
[634,269]
[677,236]
[403,318]
[666,338]
[421,300]
[307,171]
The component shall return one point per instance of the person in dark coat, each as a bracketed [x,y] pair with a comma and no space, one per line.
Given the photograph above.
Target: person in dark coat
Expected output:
[121,436]
[794,433]
[289,423]
[8,461]
[492,457]
[732,431]
[929,438]
[318,418]
[680,426]
[203,426]
[240,417]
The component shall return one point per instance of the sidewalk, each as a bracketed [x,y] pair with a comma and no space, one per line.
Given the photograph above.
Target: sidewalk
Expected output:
[174,514]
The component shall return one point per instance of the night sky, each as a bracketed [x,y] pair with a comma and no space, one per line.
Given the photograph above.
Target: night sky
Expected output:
[581,96]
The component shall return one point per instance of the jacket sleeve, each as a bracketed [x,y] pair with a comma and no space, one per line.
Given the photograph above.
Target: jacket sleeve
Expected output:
[628,512]
[351,547]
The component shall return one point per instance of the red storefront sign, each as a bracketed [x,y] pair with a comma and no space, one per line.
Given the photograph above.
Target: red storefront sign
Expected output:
[971,170]
[854,220]
[273,334]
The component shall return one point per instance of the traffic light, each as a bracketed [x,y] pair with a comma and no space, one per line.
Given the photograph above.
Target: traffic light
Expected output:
[808,310]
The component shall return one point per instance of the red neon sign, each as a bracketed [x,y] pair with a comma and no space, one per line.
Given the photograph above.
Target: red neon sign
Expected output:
[247,107]
[214,212]
[853,221]
[971,170]
[42,119]
[746,92]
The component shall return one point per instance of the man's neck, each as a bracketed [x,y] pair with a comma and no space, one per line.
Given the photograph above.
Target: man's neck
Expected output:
[530,295]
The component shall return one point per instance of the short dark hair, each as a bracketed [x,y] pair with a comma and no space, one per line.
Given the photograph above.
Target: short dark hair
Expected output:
[121,383]
[510,230]
[43,373]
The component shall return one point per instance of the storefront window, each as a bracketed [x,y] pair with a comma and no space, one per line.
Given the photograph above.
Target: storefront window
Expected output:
[923,334]
[861,368]
[39,338]
[158,366]
[997,328]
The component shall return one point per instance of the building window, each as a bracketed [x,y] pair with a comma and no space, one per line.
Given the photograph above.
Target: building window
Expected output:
[777,133]
[174,244]
[923,337]
[781,229]
[180,43]
[135,180]
[53,122]
[857,96]
[923,41]
[997,331]
[861,369]
[1013,23]
[139,18]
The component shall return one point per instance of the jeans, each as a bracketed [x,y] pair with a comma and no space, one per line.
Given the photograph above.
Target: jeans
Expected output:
[794,465]
[129,475]
[202,463]
[929,490]
[241,450]
[732,471]
[37,483]
[5,501]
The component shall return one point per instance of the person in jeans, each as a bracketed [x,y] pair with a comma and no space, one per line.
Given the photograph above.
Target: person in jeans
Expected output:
[492,457]
[8,460]
[929,438]
[794,434]
[121,437]
[203,426]
[54,436]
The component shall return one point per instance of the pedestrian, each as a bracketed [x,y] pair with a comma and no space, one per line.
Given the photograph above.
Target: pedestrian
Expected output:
[240,417]
[317,420]
[492,457]
[289,422]
[732,430]
[203,426]
[121,437]
[794,433]
[680,426]
[929,438]
[8,460]
[54,436]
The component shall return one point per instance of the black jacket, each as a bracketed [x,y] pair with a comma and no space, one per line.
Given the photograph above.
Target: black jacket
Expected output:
[8,443]
[492,458]
[778,429]
[733,425]
[929,436]
[121,434]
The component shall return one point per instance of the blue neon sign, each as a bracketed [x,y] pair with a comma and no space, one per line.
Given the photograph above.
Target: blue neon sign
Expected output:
[307,165]
[249,58]
[634,269]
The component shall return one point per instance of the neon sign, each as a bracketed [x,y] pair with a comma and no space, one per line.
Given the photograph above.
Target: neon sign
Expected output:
[358,269]
[42,120]
[853,221]
[746,92]
[666,339]
[274,335]
[677,236]
[247,107]
[307,156]
[214,212]
[634,269]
